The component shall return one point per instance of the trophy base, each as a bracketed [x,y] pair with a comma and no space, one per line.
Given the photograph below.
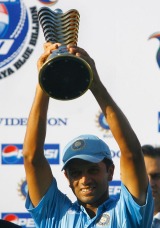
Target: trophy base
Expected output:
[65,77]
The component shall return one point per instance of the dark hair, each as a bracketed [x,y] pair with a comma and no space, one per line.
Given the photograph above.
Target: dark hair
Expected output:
[151,151]
[108,162]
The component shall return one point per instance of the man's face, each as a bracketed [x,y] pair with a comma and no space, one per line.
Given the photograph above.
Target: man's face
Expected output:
[89,181]
[153,171]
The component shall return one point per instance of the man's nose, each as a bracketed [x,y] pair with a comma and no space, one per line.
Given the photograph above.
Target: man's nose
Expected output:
[85,178]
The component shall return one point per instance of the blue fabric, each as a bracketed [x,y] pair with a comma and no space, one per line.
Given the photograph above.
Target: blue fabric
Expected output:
[87,147]
[55,210]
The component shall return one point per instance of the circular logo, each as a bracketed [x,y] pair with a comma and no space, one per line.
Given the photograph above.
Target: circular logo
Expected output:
[104,220]
[102,122]
[103,125]
[23,189]
[79,144]
[156,35]
[9,154]
[48,2]
[13,30]
[11,218]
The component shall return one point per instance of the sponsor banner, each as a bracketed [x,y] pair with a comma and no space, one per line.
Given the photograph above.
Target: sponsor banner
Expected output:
[127,62]
[12,154]
[22,219]
[115,154]
[18,35]
[114,188]
[22,121]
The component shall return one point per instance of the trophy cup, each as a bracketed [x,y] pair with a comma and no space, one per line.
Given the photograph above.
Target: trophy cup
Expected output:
[63,76]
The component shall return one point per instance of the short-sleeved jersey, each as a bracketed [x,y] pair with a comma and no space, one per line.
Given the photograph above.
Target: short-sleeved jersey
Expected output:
[55,210]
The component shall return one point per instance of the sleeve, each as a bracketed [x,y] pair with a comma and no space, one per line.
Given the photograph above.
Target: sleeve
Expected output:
[133,215]
[52,206]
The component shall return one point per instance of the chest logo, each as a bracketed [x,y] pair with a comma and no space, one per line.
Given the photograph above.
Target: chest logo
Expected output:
[104,220]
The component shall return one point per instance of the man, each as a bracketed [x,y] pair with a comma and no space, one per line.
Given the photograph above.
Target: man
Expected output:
[152,162]
[88,168]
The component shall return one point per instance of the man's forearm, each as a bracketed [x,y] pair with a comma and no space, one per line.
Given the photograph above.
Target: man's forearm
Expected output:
[36,126]
[118,123]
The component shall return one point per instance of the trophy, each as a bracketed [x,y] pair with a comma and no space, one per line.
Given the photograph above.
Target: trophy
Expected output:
[63,76]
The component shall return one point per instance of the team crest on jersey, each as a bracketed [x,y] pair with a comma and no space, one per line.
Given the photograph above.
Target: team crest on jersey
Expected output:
[104,220]
[18,35]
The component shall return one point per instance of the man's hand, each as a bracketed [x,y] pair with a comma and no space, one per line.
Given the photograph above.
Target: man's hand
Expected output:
[79,52]
[48,49]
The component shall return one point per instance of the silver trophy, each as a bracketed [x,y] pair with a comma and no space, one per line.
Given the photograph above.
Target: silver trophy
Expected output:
[63,76]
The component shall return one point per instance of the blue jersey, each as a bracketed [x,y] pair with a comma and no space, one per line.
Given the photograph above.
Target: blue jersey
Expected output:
[55,210]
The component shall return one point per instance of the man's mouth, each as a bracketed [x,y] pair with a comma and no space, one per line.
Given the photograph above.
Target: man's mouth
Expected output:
[88,190]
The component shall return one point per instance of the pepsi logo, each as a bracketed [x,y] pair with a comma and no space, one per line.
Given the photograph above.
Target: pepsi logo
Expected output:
[11,218]
[48,2]
[22,219]
[10,154]
[4,21]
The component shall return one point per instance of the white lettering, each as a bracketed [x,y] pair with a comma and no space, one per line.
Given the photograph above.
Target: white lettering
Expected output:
[26,222]
[51,153]
[5,46]
[113,190]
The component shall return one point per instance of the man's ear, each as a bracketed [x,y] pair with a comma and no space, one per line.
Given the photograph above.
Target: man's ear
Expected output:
[110,172]
[66,175]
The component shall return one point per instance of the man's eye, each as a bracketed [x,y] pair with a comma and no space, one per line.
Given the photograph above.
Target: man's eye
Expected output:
[75,173]
[157,176]
[94,170]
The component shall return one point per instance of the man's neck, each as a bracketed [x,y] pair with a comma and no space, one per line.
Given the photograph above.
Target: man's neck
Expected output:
[91,211]
[92,208]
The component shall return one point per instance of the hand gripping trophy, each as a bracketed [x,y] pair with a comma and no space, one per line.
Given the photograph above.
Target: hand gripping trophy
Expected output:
[63,76]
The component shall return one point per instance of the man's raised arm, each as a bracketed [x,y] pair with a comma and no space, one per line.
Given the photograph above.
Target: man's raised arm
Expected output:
[133,172]
[38,171]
